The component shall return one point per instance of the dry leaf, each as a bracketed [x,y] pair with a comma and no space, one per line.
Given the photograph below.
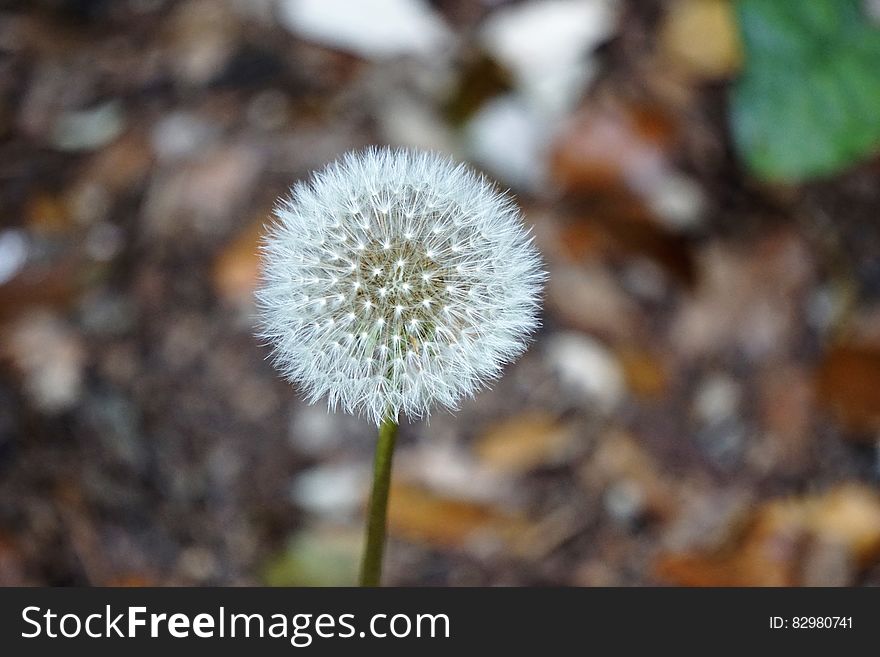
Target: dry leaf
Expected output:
[779,546]
[786,404]
[700,38]
[419,515]
[46,214]
[621,465]
[55,285]
[746,297]
[610,145]
[237,266]
[12,563]
[849,385]
[619,227]
[121,165]
[525,442]
[591,300]
[132,580]
[644,373]
[849,515]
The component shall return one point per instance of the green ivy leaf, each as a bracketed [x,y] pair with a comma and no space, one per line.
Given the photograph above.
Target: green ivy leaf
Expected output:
[808,101]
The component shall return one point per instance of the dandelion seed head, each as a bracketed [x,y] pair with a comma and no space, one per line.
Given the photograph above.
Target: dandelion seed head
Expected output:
[435,283]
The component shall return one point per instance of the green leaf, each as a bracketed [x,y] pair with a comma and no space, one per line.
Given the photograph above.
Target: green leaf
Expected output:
[808,101]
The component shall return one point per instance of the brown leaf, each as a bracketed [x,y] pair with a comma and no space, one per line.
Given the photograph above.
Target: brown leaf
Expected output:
[56,284]
[121,165]
[480,79]
[700,38]
[849,515]
[12,563]
[746,296]
[780,543]
[581,240]
[644,372]
[609,145]
[591,300]
[419,515]
[46,214]
[132,580]
[620,227]
[237,266]
[786,407]
[764,555]
[524,442]
[621,463]
[849,385]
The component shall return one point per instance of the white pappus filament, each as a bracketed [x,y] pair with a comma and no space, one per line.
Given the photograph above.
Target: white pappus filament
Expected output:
[397,280]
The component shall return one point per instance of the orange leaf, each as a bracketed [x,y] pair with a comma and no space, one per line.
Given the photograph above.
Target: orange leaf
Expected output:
[849,385]
[416,514]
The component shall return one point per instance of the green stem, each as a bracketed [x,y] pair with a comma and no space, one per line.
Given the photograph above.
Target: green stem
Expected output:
[371,566]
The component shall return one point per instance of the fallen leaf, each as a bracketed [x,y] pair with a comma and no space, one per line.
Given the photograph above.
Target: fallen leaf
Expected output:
[591,300]
[12,563]
[55,285]
[419,515]
[644,372]
[745,297]
[481,78]
[848,384]
[618,227]
[46,214]
[583,240]
[701,39]
[525,442]
[784,540]
[237,266]
[121,165]
[610,144]
[849,515]
[787,402]
[132,580]
[628,478]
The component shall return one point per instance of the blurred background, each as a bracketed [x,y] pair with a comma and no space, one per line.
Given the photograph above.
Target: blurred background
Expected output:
[701,407]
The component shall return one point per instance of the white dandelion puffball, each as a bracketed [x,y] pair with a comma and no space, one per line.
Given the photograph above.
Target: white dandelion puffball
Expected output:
[396,280]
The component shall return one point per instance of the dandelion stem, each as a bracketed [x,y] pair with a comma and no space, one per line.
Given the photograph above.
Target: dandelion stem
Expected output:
[371,566]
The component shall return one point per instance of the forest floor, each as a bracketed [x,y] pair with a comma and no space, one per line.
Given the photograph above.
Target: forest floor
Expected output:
[701,406]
